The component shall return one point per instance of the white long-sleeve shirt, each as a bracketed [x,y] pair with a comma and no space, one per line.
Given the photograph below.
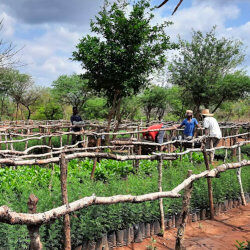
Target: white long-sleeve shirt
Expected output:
[213,127]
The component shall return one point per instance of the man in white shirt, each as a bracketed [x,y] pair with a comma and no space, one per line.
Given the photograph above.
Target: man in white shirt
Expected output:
[212,128]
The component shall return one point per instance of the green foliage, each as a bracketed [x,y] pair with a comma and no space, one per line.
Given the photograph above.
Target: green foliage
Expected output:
[72,90]
[235,110]
[51,111]
[203,68]
[157,100]
[130,48]
[95,108]
[111,178]
[154,98]
[130,108]
[241,245]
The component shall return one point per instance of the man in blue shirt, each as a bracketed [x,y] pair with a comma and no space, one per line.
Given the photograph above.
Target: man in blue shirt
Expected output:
[189,124]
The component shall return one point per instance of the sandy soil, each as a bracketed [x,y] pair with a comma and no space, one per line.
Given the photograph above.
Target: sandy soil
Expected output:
[219,234]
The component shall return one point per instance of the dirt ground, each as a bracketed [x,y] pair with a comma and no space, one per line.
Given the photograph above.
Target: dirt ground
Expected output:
[220,234]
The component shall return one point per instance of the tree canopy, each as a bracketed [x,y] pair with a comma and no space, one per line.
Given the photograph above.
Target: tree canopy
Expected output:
[202,67]
[127,48]
[72,90]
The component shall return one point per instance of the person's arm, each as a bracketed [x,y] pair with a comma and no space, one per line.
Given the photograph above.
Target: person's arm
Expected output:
[180,125]
[197,123]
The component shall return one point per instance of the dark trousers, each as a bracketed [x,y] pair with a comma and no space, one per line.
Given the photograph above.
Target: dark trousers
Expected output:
[75,139]
[160,136]
[215,141]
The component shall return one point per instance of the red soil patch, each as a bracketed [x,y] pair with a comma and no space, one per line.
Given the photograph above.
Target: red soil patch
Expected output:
[219,234]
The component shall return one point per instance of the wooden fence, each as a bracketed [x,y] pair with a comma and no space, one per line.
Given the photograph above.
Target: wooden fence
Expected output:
[61,155]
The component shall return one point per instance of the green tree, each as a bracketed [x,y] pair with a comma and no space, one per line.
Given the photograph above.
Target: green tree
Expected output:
[202,66]
[175,102]
[29,98]
[154,99]
[72,90]
[232,87]
[19,85]
[51,111]
[126,51]
[95,108]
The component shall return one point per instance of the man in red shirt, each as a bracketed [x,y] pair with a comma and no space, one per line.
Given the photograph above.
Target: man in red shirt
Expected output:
[155,136]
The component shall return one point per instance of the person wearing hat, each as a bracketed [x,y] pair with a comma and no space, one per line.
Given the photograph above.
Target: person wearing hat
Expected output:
[212,128]
[189,124]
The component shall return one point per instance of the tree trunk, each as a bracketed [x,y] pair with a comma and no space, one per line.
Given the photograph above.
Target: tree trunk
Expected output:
[29,112]
[197,114]
[17,107]
[110,116]
[148,114]
[218,105]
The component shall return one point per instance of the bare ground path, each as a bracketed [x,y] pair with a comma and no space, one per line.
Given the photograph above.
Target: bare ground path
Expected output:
[220,234]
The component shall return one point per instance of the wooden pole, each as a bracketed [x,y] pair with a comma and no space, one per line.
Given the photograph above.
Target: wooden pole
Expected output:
[98,144]
[161,199]
[35,240]
[209,184]
[184,215]
[243,200]
[211,154]
[66,221]
[235,142]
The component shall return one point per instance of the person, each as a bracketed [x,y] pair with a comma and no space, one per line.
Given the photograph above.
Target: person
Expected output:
[155,136]
[189,124]
[74,119]
[212,128]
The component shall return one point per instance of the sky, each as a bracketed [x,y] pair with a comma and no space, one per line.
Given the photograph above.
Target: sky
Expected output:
[48,30]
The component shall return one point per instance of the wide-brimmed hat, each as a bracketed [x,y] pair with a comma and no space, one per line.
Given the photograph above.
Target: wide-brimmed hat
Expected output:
[189,111]
[206,112]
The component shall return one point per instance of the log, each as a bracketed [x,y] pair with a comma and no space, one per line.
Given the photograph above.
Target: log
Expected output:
[66,221]
[184,215]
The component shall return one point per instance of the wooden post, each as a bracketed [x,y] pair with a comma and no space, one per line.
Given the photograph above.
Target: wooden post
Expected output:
[98,144]
[161,200]
[239,180]
[235,142]
[61,141]
[11,144]
[209,184]
[184,215]
[211,153]
[6,139]
[68,137]
[66,221]
[35,240]
[27,142]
